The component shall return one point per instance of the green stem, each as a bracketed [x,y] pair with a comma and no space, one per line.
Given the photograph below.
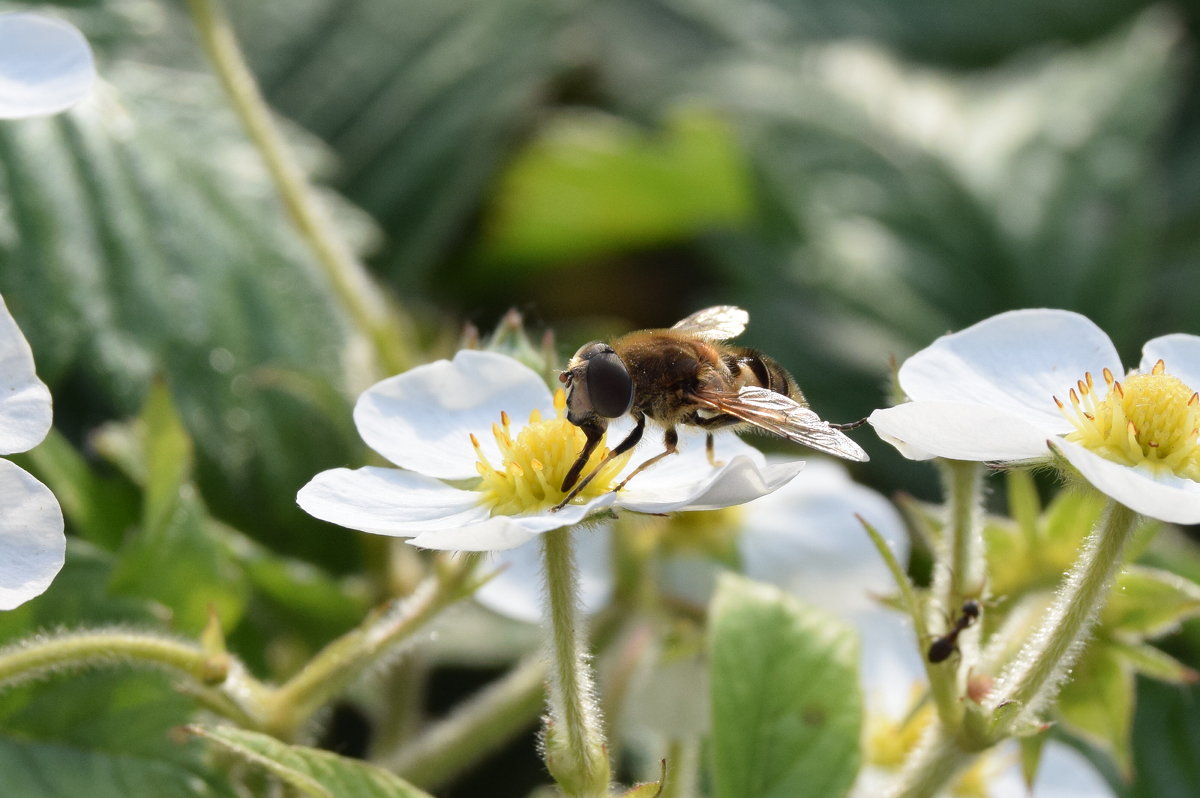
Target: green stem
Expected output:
[575,752]
[476,728]
[340,663]
[960,577]
[1033,678]
[360,298]
[937,760]
[211,675]
[957,576]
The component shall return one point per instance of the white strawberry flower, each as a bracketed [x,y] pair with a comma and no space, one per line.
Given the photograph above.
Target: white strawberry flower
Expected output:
[475,476]
[45,65]
[1024,385]
[32,544]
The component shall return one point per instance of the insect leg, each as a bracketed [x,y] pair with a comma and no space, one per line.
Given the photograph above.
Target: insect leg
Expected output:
[670,440]
[708,449]
[630,441]
[594,432]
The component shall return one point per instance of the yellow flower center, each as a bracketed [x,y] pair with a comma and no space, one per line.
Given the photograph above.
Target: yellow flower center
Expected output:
[534,464]
[1149,421]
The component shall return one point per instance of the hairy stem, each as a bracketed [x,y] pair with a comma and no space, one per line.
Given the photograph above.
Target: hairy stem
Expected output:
[214,678]
[574,741]
[1032,680]
[359,297]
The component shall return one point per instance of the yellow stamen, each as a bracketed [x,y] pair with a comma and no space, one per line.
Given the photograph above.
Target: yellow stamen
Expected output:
[1149,421]
[535,463]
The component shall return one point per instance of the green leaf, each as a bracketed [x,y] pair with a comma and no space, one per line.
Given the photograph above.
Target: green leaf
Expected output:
[312,772]
[1166,732]
[106,732]
[1149,602]
[1098,703]
[98,508]
[142,240]
[167,456]
[593,184]
[176,557]
[786,702]
[46,770]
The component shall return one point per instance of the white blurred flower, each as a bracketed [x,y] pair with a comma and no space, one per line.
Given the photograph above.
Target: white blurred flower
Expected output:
[1014,387]
[472,479]
[32,544]
[45,66]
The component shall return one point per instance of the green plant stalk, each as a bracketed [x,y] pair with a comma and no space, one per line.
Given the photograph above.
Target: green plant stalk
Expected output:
[574,741]
[287,709]
[476,728]
[208,673]
[1032,679]
[358,295]
[938,759]
[957,574]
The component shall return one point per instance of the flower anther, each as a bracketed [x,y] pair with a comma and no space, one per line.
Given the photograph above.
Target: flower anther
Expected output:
[1147,421]
[534,463]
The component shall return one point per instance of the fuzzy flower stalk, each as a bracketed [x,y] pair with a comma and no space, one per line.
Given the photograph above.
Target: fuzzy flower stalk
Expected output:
[1047,387]
[483,447]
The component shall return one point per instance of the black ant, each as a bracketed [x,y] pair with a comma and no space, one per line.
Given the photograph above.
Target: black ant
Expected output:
[941,649]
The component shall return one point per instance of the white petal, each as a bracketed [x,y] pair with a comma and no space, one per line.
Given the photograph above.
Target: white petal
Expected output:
[32,545]
[1016,361]
[686,480]
[1165,497]
[422,419]
[25,410]
[806,538]
[498,533]
[517,590]
[45,66]
[388,501]
[1179,352]
[960,431]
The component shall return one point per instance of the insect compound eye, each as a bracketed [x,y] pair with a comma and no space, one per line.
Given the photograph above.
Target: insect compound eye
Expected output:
[609,386]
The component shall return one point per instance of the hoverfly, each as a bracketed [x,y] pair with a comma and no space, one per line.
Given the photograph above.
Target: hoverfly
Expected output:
[688,375]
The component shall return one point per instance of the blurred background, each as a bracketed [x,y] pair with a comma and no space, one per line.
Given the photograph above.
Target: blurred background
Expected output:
[860,175]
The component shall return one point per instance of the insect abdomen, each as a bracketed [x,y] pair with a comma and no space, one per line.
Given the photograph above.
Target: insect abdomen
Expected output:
[751,367]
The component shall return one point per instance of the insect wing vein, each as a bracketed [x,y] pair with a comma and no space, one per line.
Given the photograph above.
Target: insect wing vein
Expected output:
[777,413]
[718,323]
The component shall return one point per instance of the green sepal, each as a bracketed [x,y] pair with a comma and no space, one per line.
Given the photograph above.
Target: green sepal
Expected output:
[1149,602]
[1098,703]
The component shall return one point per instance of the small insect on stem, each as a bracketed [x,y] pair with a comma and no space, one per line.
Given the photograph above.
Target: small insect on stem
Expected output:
[941,649]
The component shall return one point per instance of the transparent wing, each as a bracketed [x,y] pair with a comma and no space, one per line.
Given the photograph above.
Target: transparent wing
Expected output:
[783,416]
[718,323]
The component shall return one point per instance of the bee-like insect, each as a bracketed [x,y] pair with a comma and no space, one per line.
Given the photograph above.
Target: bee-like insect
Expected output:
[941,649]
[687,375]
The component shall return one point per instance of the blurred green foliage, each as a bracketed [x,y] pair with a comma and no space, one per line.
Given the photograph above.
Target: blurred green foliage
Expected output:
[861,176]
